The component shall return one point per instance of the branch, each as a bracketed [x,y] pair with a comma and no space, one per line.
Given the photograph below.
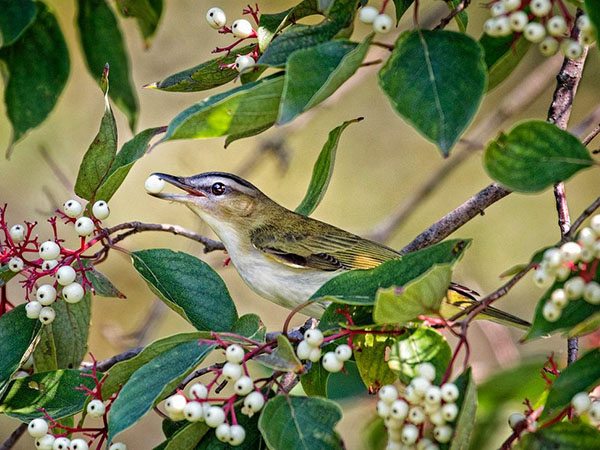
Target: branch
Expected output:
[584,215]
[107,364]
[14,437]
[446,20]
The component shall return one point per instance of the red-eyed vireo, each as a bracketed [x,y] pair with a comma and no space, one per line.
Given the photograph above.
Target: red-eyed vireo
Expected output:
[283,256]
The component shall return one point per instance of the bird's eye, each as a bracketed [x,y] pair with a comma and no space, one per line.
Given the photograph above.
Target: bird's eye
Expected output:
[218,189]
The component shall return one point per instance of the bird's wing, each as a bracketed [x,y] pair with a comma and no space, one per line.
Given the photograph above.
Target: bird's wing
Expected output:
[328,250]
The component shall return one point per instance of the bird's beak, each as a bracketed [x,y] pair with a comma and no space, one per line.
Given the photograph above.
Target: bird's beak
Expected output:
[181,183]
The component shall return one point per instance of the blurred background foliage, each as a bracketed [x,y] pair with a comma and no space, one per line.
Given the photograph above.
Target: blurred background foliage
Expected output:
[380,162]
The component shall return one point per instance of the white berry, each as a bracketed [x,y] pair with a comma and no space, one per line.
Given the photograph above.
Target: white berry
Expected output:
[241,28]
[591,294]
[571,49]
[383,23]
[489,26]
[45,442]
[79,444]
[313,337]
[28,364]
[17,233]
[214,416]
[243,386]
[443,433]
[244,62]
[430,408]
[49,265]
[563,272]
[154,184]
[511,5]
[232,371]
[315,355]
[198,390]
[237,434]
[497,9]
[45,295]
[73,293]
[84,226]
[584,24]
[175,403]
[96,408]
[193,411]
[595,220]
[549,46]
[543,279]
[383,409]
[540,8]
[449,411]
[514,419]
[416,415]
[303,350]
[100,210]
[65,275]
[556,26]
[343,352]
[575,287]
[587,237]
[595,411]
[426,370]
[410,434]
[581,403]
[37,428]
[534,32]
[331,363]
[47,315]
[222,432]
[570,251]
[399,410]
[15,264]
[49,250]
[117,446]
[32,309]
[553,257]
[254,401]
[559,298]
[420,385]
[388,393]
[411,396]
[63,443]
[518,21]
[426,444]
[72,208]
[587,38]
[433,395]
[367,14]
[449,392]
[216,18]
[551,312]
[234,353]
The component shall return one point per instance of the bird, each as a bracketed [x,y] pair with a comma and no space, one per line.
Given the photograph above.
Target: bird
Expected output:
[284,256]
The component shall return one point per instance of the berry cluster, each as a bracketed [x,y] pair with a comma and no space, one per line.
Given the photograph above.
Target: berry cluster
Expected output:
[575,263]
[406,416]
[538,23]
[583,404]
[241,29]
[309,349]
[382,23]
[198,405]
[51,260]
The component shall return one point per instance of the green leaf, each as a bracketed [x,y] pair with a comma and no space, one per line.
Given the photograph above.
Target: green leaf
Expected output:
[269,24]
[147,385]
[435,80]
[374,434]
[422,345]
[467,404]
[189,286]
[187,436]
[102,285]
[462,18]
[502,56]
[63,343]
[298,37]
[103,43]
[365,283]
[291,423]
[593,12]
[202,77]
[422,295]
[588,325]
[253,440]
[535,155]
[313,74]
[401,7]
[250,326]
[14,20]
[249,107]
[563,436]
[101,153]
[146,12]
[314,381]
[124,160]
[322,171]
[581,375]
[121,372]
[16,334]
[371,360]
[54,391]
[36,68]
[283,358]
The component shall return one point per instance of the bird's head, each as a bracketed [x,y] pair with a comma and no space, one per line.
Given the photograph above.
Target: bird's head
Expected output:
[219,198]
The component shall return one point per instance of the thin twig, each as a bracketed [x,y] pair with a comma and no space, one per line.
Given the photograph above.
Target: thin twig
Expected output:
[14,437]
[446,20]
[590,137]
[584,215]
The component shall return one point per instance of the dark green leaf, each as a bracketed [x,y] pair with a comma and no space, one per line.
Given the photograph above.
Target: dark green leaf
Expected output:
[422,295]
[294,423]
[269,24]
[365,283]
[253,440]
[535,155]
[130,152]
[370,357]
[189,286]
[374,434]
[148,384]
[467,403]
[63,343]
[462,18]
[202,77]
[283,358]
[6,275]
[422,345]
[581,375]
[298,37]
[121,372]
[563,436]
[435,80]
[37,67]
[187,436]
[101,153]
[102,43]
[314,381]
[401,7]
[250,326]
[146,12]
[54,391]
[322,171]
[249,107]
[16,334]
[502,55]
[593,12]
[347,384]
[14,20]
[314,73]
